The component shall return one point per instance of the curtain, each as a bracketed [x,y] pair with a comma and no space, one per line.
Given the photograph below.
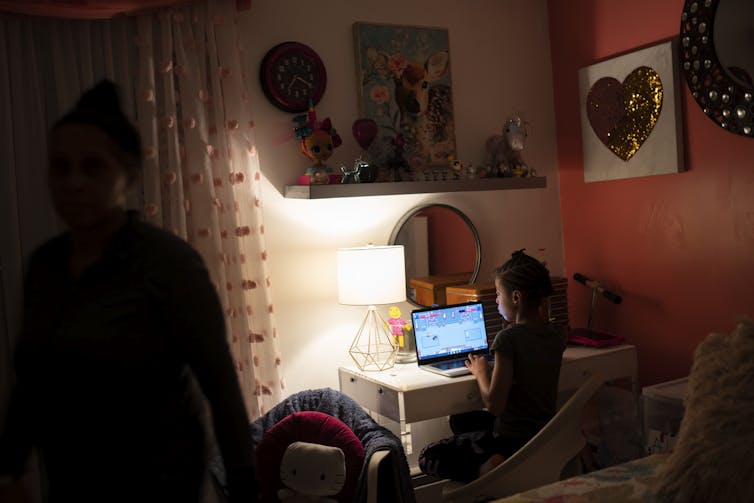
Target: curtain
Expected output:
[201,174]
[179,73]
[44,66]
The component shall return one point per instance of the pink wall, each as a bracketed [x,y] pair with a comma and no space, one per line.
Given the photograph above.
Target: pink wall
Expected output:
[451,243]
[679,248]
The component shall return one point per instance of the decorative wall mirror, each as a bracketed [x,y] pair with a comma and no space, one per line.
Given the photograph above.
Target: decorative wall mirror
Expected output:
[441,244]
[717,37]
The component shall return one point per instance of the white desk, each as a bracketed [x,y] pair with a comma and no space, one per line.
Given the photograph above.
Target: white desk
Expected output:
[406,394]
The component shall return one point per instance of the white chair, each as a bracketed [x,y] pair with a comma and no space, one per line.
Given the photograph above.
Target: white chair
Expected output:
[539,462]
[373,471]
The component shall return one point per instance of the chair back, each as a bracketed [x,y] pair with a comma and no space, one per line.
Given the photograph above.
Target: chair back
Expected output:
[540,461]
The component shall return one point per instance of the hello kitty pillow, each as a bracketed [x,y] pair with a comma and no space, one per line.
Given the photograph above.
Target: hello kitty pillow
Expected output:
[309,456]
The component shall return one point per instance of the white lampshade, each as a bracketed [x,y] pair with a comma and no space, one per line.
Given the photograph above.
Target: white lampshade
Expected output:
[371,275]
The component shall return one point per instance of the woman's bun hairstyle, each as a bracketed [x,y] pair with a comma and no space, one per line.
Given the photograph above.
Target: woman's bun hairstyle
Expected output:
[100,107]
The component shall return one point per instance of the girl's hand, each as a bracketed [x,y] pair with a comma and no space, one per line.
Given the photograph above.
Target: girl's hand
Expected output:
[477,365]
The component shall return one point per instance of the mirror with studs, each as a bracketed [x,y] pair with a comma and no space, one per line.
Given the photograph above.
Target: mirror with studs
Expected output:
[441,249]
[716,57]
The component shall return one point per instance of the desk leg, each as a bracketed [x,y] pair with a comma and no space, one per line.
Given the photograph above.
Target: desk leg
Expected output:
[406,439]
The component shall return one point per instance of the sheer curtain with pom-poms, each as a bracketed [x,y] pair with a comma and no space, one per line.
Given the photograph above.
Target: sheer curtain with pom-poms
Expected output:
[201,176]
[179,74]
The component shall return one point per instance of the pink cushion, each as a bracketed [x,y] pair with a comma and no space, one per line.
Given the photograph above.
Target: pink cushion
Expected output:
[316,428]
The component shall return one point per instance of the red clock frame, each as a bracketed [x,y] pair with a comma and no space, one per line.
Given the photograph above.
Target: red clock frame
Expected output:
[269,70]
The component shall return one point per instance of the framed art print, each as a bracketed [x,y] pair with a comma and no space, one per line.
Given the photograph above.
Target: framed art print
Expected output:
[631,115]
[404,85]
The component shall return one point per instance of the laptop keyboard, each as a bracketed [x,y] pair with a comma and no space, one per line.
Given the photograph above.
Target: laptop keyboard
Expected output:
[452,364]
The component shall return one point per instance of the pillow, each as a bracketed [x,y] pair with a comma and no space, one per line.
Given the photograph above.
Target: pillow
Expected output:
[306,428]
[712,459]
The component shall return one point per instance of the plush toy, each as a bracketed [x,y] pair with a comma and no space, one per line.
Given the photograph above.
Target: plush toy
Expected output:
[315,445]
[713,450]
[312,472]
[514,132]
[504,150]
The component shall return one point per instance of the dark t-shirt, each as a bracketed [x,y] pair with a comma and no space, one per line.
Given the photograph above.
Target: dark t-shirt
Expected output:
[536,354]
[108,365]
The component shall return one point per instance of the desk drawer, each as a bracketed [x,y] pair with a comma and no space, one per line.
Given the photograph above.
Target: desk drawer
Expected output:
[454,397]
[371,395]
[610,365]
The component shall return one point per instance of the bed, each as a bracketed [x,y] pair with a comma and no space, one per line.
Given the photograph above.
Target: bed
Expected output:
[626,482]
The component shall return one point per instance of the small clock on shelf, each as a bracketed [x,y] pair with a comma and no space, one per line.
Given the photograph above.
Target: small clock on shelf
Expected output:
[291,74]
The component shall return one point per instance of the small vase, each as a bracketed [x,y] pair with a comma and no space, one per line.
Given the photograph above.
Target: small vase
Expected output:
[407,351]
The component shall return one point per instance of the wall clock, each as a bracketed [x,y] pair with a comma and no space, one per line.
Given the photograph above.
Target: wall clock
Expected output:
[292,73]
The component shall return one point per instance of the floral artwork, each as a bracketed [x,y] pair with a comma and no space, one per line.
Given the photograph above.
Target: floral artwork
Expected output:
[404,85]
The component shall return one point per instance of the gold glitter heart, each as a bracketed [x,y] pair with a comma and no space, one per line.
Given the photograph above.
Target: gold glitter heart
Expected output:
[623,114]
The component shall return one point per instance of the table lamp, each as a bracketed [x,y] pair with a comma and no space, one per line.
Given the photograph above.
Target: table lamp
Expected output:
[368,276]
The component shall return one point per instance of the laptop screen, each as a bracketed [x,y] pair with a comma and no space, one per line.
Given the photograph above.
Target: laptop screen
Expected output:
[448,331]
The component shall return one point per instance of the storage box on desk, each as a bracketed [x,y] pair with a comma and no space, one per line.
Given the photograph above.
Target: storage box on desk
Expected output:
[662,406]
[430,290]
[483,292]
[558,302]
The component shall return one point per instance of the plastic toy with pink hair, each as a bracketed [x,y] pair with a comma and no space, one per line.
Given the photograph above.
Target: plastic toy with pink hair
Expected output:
[318,139]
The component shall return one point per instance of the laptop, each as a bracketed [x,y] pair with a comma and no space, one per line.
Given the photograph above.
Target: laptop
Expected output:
[445,335]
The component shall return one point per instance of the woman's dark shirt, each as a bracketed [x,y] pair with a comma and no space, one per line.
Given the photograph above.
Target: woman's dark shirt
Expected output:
[108,365]
[537,354]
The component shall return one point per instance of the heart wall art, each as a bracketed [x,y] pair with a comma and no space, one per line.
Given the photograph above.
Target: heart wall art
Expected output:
[631,115]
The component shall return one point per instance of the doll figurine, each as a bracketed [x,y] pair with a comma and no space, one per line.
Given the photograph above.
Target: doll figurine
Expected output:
[403,337]
[456,166]
[396,324]
[318,139]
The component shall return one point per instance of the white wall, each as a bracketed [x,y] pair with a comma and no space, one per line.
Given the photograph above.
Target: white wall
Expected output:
[500,64]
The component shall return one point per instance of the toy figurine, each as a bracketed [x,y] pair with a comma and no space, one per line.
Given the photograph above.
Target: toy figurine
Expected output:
[318,139]
[504,150]
[397,162]
[361,169]
[397,325]
[403,337]
[456,166]
[350,175]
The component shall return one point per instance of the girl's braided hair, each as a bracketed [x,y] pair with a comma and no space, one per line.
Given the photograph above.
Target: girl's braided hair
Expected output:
[526,274]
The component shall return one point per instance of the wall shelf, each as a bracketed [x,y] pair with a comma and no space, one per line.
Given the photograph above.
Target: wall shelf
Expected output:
[395,188]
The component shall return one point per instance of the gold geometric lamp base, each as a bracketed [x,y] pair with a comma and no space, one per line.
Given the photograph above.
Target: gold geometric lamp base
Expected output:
[372,348]
[369,276]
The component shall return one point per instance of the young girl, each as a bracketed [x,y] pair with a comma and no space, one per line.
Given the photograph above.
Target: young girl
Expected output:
[519,391]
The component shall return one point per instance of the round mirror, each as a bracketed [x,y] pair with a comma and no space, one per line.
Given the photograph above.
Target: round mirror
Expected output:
[716,41]
[441,249]
[734,39]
